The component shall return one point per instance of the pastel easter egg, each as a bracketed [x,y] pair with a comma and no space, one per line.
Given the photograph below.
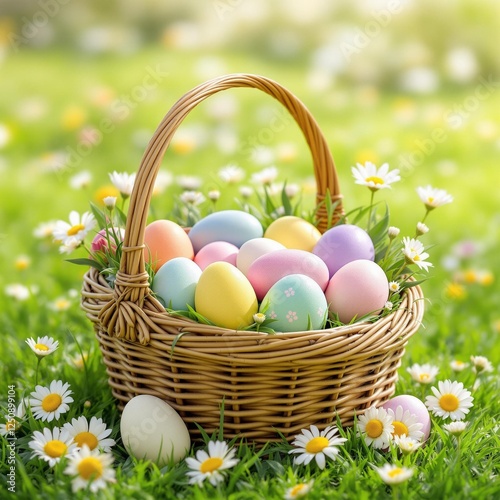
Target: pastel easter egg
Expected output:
[265,271]
[293,232]
[295,303]
[233,226]
[165,240]
[416,407]
[342,244]
[356,289]
[251,250]
[151,429]
[225,296]
[215,252]
[175,283]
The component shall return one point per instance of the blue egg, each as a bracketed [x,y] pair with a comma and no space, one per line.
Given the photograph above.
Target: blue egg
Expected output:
[233,226]
[295,303]
[175,283]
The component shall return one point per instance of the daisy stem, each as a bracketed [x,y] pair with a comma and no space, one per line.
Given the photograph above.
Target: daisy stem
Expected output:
[370,211]
[395,491]
[36,371]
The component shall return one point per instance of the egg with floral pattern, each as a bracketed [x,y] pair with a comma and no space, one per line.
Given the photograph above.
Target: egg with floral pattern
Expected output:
[295,303]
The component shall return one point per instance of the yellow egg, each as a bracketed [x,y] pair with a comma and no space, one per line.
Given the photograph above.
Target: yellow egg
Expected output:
[293,232]
[225,296]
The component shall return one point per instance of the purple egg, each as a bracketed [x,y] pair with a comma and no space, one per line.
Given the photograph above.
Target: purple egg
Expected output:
[416,407]
[343,244]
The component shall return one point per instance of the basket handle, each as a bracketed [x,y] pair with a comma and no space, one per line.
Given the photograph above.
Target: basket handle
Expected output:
[124,316]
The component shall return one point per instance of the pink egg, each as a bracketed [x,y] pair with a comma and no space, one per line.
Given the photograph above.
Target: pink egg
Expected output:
[415,407]
[251,250]
[271,267]
[342,244]
[217,251]
[356,289]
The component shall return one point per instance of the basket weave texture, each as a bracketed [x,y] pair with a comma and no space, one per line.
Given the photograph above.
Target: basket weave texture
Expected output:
[268,384]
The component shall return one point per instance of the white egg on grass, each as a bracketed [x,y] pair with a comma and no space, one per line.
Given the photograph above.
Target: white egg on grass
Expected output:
[151,429]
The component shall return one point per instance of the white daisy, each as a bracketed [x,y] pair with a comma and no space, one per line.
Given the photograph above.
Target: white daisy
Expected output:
[214,194]
[414,253]
[481,364]
[22,262]
[189,182]
[91,469]
[70,245]
[44,229]
[375,425]
[292,190]
[109,202]
[375,178]
[78,227]
[52,445]
[394,287]
[423,374]
[458,366]
[455,428]
[17,291]
[43,346]
[393,232]
[47,403]
[393,474]
[246,192]
[298,491]
[407,444]
[450,400]
[192,197]
[232,174]
[93,434]
[211,465]
[266,176]
[13,422]
[81,180]
[422,228]
[124,182]
[405,423]
[162,181]
[433,197]
[60,304]
[313,444]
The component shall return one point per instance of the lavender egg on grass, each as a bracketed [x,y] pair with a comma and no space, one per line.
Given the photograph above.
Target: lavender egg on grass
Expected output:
[295,303]
[416,407]
[357,289]
[342,244]
[175,283]
[233,226]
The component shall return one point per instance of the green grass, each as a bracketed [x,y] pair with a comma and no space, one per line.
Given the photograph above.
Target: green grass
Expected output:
[359,123]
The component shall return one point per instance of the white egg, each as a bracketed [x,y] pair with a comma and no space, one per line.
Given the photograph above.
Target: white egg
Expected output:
[151,429]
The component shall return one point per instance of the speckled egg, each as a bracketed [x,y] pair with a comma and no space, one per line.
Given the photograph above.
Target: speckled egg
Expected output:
[295,303]
[233,226]
[225,296]
[217,251]
[293,232]
[416,407]
[271,267]
[356,289]
[165,240]
[251,250]
[342,244]
[151,429]
[175,283]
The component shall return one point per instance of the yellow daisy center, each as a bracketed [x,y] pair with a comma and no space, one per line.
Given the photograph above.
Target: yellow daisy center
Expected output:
[55,448]
[395,472]
[375,179]
[374,428]
[399,428]
[297,489]
[317,444]
[416,257]
[424,377]
[449,402]
[75,229]
[41,347]
[430,200]
[86,438]
[211,464]
[51,402]
[90,468]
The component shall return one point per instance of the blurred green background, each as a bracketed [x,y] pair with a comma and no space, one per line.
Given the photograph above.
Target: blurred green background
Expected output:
[83,86]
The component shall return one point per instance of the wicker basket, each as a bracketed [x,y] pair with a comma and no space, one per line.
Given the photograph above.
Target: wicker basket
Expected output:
[269,384]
